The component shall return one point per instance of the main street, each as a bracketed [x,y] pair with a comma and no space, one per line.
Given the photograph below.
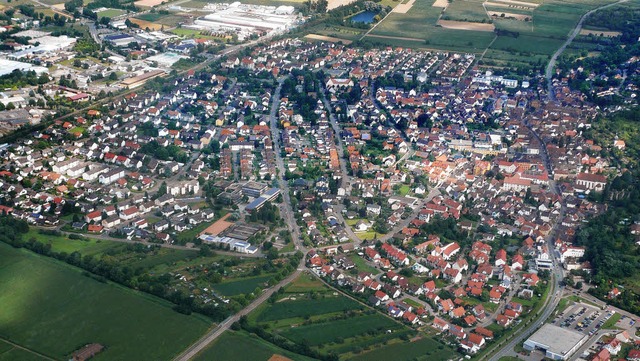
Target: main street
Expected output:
[557,275]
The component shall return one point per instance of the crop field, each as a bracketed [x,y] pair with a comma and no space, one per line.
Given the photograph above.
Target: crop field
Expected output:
[61,301]
[245,285]
[417,22]
[9,352]
[466,10]
[423,349]
[318,334]
[537,28]
[418,29]
[329,323]
[233,346]
[307,307]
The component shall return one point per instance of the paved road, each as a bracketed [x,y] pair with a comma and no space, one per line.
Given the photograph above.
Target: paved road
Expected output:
[557,275]
[224,325]
[574,33]
[287,213]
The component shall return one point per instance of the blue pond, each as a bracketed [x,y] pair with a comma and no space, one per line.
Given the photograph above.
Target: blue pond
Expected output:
[365,17]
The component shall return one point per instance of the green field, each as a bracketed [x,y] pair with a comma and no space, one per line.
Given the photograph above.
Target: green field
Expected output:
[423,349]
[245,285]
[362,265]
[334,324]
[305,308]
[527,42]
[305,283]
[111,13]
[64,244]
[233,346]
[465,10]
[10,353]
[152,17]
[611,322]
[53,309]
[322,333]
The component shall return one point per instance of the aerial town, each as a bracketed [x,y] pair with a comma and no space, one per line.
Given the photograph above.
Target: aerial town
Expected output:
[263,186]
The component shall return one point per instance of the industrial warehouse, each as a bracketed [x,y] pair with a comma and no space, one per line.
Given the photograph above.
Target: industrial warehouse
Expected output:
[246,19]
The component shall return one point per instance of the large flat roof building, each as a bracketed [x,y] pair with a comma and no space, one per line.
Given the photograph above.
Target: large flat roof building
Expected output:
[558,343]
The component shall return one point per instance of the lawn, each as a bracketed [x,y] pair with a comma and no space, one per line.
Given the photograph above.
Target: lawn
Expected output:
[366,236]
[611,322]
[306,307]
[189,33]
[245,285]
[404,190]
[64,244]
[425,348]
[326,332]
[362,265]
[71,310]
[304,284]
[233,346]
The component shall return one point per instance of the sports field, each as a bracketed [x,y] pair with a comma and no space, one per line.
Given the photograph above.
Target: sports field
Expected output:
[54,309]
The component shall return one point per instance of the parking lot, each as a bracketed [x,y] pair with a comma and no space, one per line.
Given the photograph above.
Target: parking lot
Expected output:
[583,318]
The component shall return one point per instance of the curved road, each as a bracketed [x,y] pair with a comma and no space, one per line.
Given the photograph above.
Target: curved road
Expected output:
[574,33]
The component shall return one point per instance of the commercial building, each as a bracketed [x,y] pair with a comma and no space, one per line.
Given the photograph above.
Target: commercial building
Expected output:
[556,342]
[8,66]
[46,45]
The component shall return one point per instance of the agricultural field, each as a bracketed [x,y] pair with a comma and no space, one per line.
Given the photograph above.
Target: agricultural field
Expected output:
[466,10]
[423,349]
[528,33]
[418,29]
[225,348]
[245,285]
[62,301]
[307,312]
[9,352]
